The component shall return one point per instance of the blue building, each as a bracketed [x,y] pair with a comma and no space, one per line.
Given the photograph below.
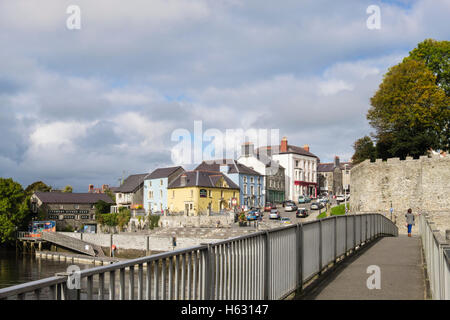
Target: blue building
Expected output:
[155,188]
[250,182]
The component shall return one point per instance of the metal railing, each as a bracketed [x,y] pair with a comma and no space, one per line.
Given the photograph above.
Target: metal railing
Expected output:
[269,265]
[437,256]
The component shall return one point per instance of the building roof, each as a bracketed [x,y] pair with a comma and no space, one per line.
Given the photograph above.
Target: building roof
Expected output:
[162,172]
[202,178]
[329,166]
[132,183]
[67,197]
[290,149]
[233,165]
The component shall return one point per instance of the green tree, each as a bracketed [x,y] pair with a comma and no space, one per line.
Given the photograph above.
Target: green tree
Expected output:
[364,149]
[409,112]
[14,210]
[37,186]
[68,189]
[110,194]
[436,56]
[102,207]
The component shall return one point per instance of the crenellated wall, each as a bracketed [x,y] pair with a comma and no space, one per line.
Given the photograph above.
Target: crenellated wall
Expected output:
[420,184]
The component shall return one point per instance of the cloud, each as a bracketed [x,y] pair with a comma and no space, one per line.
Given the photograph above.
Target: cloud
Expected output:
[80,107]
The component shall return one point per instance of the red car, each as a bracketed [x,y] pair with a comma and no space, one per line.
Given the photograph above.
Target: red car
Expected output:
[267,207]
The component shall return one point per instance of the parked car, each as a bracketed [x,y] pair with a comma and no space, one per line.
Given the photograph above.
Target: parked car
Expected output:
[304,199]
[254,211]
[285,220]
[324,200]
[340,198]
[274,214]
[302,213]
[252,217]
[316,205]
[268,207]
[290,206]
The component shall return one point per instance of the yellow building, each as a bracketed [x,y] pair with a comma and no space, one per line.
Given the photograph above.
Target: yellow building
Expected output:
[201,192]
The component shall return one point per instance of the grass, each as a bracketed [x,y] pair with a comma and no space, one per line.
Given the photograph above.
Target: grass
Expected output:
[335,211]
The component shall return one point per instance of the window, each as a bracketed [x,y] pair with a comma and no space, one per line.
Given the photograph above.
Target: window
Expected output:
[161,182]
[160,194]
[296,163]
[210,193]
[251,179]
[245,179]
[61,207]
[173,194]
[149,183]
[221,194]
[76,206]
[245,189]
[252,190]
[190,206]
[192,193]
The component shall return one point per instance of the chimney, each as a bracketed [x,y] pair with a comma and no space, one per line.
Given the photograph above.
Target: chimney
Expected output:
[91,188]
[247,149]
[183,180]
[284,145]
[306,147]
[336,162]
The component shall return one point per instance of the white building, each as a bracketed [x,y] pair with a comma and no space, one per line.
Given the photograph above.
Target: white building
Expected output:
[300,168]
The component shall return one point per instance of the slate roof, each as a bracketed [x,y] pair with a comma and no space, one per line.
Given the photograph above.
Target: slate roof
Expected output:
[233,165]
[202,178]
[329,166]
[67,197]
[162,173]
[132,183]
[290,149]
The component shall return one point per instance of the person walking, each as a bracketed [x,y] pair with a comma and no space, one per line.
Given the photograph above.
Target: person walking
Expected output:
[409,221]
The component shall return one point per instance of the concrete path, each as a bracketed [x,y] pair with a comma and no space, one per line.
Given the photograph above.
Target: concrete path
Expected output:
[401,270]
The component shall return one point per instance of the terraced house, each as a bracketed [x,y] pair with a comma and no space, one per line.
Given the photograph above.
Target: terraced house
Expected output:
[130,194]
[155,188]
[201,193]
[250,182]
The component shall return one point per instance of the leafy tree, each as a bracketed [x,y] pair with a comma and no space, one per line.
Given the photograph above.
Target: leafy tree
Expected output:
[14,210]
[364,149]
[436,56]
[410,111]
[153,221]
[37,186]
[123,217]
[111,194]
[102,207]
[68,189]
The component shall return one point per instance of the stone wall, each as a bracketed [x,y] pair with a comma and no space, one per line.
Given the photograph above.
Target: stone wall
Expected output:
[420,184]
[138,241]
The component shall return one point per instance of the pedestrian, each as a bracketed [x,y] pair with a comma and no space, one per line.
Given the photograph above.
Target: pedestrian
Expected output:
[409,221]
[113,249]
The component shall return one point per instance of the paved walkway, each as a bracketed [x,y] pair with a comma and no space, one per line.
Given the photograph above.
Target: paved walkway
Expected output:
[401,269]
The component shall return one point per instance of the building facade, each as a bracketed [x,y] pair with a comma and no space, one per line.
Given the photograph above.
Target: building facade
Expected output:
[250,182]
[272,172]
[334,177]
[155,188]
[199,192]
[130,194]
[73,210]
[300,168]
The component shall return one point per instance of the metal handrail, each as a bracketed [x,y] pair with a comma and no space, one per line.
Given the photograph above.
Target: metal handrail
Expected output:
[267,264]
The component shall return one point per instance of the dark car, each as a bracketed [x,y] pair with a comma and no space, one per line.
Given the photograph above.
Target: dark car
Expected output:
[302,213]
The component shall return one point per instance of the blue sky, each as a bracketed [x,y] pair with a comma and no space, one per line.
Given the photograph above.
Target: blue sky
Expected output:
[82,106]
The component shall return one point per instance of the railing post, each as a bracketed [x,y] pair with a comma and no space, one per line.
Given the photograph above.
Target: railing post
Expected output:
[209,274]
[346,234]
[267,267]
[299,250]
[320,246]
[335,238]
[354,232]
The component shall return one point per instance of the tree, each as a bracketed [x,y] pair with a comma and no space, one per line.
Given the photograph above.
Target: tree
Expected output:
[37,186]
[409,111]
[102,207]
[364,149]
[68,189]
[111,194]
[14,210]
[436,56]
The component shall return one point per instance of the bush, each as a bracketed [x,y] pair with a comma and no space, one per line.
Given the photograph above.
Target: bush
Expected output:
[153,221]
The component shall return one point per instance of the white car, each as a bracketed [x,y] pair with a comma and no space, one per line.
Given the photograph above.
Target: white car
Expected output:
[290,206]
[274,214]
[340,198]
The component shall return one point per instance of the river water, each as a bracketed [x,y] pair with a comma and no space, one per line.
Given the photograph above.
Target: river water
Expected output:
[17,268]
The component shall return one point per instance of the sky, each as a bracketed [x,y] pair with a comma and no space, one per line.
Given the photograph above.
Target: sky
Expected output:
[95,104]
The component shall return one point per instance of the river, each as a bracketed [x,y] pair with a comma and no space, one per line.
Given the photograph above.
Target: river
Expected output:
[17,268]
